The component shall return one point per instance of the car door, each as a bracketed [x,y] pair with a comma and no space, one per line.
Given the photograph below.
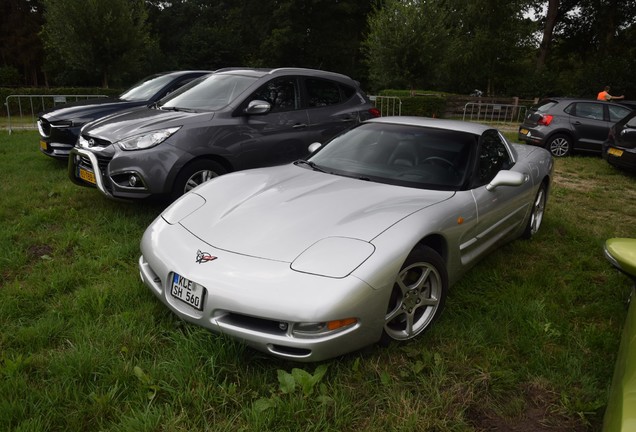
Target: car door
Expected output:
[332,107]
[499,211]
[282,134]
[590,125]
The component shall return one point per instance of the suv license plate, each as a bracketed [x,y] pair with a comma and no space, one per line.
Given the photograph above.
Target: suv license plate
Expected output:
[615,152]
[523,131]
[87,176]
[187,291]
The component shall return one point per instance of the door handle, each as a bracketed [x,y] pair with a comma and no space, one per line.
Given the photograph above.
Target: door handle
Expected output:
[299,125]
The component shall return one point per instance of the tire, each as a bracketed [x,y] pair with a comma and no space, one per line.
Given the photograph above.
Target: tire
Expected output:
[536,214]
[559,145]
[194,174]
[418,295]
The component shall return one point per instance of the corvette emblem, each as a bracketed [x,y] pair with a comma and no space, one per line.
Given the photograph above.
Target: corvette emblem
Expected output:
[203,257]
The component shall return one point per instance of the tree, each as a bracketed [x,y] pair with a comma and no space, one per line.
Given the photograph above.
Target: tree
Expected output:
[405,43]
[20,46]
[103,38]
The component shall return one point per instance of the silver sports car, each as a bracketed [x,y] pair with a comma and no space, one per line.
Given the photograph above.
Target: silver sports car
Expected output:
[358,243]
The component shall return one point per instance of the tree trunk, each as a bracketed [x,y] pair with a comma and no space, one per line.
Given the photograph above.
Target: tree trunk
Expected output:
[550,22]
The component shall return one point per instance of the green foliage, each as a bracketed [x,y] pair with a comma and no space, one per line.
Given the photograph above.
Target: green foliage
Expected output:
[9,76]
[105,38]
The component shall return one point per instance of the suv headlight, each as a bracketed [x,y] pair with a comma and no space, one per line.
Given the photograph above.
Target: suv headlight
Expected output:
[147,140]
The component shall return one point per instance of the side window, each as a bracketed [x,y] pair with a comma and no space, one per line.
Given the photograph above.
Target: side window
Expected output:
[589,110]
[281,93]
[631,122]
[617,113]
[492,157]
[322,93]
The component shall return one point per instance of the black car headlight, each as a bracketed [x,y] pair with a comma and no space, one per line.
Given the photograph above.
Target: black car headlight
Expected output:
[147,140]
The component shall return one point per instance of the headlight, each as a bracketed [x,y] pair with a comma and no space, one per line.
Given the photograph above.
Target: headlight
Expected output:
[334,257]
[147,140]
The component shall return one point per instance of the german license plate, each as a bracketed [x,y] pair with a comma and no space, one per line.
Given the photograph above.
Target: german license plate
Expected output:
[523,131]
[615,152]
[187,291]
[86,175]
[43,145]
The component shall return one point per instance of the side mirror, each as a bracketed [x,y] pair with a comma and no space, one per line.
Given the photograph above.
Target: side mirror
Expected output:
[507,178]
[258,107]
[314,147]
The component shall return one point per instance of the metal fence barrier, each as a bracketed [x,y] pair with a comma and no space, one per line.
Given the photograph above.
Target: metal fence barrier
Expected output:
[494,113]
[26,107]
[388,105]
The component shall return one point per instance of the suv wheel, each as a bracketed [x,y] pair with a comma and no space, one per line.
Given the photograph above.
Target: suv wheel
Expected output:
[559,145]
[194,174]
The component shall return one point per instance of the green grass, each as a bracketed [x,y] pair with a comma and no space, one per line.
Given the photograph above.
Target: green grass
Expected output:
[528,337]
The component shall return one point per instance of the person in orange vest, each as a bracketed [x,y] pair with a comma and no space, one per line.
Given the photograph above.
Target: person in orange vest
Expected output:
[605,96]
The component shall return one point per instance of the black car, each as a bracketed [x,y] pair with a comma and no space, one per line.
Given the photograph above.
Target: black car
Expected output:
[234,119]
[620,148]
[59,127]
[564,125]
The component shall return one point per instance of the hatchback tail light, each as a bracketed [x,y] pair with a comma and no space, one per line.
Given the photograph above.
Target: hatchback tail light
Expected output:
[545,119]
[374,112]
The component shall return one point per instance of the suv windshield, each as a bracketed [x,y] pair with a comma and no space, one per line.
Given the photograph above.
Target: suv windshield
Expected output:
[145,88]
[210,94]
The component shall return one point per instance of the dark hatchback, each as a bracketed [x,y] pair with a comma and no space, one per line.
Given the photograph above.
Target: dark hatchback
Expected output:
[620,148]
[564,125]
[234,119]
[59,127]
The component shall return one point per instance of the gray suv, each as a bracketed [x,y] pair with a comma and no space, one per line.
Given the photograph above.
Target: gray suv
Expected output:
[564,125]
[231,120]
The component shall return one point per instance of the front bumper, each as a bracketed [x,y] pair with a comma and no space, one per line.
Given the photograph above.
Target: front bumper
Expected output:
[623,158]
[87,168]
[259,301]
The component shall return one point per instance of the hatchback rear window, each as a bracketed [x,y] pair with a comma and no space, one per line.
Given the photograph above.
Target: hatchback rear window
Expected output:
[543,106]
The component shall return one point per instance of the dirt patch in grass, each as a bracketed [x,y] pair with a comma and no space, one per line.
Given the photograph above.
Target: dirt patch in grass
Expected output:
[541,413]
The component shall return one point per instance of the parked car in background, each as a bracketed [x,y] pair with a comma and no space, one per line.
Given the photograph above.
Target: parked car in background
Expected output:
[59,127]
[620,148]
[234,119]
[620,415]
[361,242]
[564,125]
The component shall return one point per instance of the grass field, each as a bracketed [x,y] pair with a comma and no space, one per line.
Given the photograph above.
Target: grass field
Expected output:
[527,341]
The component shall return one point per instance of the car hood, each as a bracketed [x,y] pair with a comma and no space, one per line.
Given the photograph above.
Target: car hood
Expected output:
[277,213]
[89,109]
[118,126]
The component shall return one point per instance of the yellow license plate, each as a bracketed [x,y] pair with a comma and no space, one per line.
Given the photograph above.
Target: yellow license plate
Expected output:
[615,152]
[523,131]
[43,145]
[87,176]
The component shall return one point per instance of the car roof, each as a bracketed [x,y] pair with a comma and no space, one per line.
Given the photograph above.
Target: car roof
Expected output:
[260,72]
[454,125]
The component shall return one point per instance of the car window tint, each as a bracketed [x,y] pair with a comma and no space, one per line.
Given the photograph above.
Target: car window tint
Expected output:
[410,156]
[617,113]
[146,88]
[543,106]
[322,93]
[493,156]
[211,93]
[281,93]
[589,110]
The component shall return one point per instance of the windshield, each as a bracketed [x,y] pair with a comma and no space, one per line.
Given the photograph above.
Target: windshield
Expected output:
[410,156]
[209,94]
[146,88]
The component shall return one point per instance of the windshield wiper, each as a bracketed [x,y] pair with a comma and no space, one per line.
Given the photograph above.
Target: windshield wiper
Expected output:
[164,108]
[310,164]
